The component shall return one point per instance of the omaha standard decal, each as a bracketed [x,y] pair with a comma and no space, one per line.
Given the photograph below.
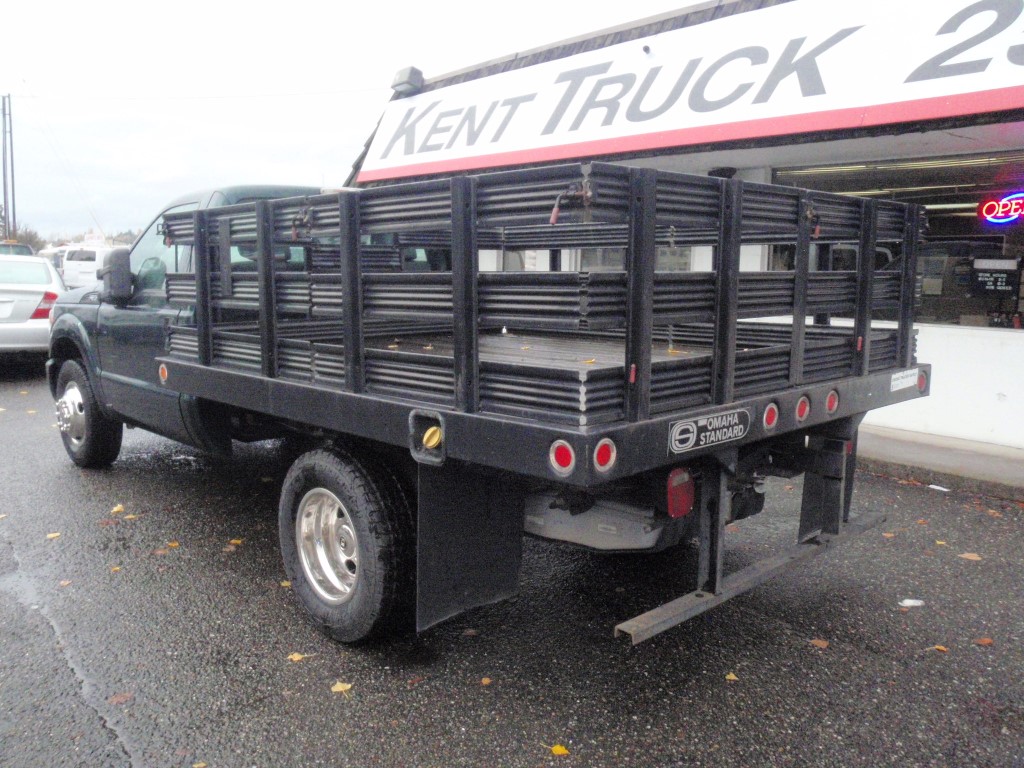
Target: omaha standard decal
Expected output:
[707,431]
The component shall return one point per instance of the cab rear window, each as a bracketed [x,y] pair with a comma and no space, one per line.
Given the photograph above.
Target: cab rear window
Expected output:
[20,273]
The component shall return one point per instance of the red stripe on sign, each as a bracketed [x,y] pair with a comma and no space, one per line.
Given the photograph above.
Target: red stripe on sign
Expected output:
[981,102]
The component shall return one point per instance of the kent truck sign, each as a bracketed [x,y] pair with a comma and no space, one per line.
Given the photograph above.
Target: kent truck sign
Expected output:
[799,67]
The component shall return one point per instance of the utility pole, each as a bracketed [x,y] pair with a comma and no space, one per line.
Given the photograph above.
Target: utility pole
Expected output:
[10,221]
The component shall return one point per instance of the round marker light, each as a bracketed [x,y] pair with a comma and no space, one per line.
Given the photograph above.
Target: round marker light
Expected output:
[562,458]
[803,408]
[432,438]
[832,402]
[162,372]
[604,455]
[771,416]
[922,381]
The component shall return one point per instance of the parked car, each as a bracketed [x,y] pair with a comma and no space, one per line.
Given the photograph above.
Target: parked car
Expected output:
[81,265]
[56,256]
[15,248]
[29,286]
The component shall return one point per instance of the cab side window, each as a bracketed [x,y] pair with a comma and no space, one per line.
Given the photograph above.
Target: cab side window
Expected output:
[152,258]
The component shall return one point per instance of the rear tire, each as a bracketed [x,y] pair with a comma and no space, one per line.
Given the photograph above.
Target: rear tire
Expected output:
[91,439]
[346,541]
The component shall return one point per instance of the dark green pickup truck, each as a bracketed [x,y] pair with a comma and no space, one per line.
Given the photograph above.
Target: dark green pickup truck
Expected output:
[461,377]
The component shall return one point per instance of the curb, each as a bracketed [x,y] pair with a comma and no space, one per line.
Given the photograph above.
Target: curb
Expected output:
[927,476]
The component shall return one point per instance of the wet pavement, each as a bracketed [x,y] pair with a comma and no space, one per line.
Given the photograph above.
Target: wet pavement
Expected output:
[145,637]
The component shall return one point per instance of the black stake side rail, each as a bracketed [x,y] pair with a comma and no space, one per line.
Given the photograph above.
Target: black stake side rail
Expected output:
[643,207]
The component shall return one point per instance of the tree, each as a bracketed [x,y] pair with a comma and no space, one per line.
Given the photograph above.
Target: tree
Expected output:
[25,235]
[29,236]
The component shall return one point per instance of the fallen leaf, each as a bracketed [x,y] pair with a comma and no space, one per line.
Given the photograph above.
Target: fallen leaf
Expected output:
[120,698]
[52,536]
[732,528]
[470,632]
[984,641]
[117,510]
[922,521]
[788,487]
[235,542]
[485,681]
[342,688]
[993,513]
[160,552]
[591,361]
[559,750]
[941,543]
[974,556]
[173,544]
[299,656]
[131,517]
[413,682]
[823,644]
[941,648]
[2,517]
[731,677]
[66,583]
[107,522]
[286,584]
[229,548]
[198,765]
[911,603]
[115,568]
[889,535]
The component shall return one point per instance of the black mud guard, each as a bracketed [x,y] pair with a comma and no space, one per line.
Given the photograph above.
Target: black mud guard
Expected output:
[828,482]
[469,542]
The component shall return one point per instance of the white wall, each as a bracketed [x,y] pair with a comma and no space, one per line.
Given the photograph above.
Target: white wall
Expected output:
[977,388]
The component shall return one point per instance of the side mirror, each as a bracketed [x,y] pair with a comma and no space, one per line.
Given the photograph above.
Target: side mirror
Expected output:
[117,277]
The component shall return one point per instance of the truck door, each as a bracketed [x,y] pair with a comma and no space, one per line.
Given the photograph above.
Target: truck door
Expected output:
[130,338]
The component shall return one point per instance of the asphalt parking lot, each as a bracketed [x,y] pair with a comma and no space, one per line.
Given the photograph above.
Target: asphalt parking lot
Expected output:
[154,631]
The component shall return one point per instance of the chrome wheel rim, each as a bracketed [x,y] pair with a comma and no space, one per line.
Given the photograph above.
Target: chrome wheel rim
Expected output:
[328,547]
[71,414]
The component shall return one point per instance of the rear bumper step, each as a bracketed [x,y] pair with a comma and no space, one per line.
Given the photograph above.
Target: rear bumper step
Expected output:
[656,621]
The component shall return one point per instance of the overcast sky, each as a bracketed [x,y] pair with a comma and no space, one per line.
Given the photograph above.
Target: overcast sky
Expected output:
[120,106]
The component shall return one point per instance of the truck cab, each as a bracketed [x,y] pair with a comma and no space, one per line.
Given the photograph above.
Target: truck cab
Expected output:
[115,342]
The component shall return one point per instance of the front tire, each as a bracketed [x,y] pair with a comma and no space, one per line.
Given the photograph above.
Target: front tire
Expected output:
[346,542]
[91,439]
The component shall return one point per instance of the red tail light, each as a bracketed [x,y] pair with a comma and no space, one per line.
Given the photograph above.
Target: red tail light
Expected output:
[562,458]
[803,408]
[832,402]
[922,381]
[771,416]
[681,492]
[604,455]
[43,310]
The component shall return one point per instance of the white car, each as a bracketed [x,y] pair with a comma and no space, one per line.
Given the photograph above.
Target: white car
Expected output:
[82,263]
[29,286]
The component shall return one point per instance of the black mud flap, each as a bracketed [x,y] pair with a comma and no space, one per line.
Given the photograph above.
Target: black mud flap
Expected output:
[828,482]
[469,540]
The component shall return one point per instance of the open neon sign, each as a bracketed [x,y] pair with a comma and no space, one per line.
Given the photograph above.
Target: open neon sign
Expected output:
[1005,211]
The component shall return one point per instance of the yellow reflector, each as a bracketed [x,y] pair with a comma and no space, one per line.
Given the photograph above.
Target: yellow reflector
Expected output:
[432,438]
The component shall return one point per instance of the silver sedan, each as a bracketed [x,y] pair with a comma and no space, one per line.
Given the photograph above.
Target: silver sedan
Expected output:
[29,286]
